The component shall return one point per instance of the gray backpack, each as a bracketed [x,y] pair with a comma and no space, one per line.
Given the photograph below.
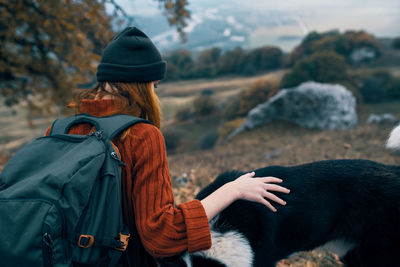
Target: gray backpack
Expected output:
[60,198]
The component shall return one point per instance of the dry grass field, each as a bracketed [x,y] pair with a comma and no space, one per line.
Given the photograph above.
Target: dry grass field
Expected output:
[176,95]
[286,144]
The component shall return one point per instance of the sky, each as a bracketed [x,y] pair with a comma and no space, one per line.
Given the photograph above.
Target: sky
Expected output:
[381,17]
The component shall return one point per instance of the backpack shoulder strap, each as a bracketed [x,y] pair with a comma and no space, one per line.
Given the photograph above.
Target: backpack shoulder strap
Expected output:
[110,125]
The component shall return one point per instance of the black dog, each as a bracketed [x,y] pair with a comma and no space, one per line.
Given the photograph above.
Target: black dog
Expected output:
[352,204]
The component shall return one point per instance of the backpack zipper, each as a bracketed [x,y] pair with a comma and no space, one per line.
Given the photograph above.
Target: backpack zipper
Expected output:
[48,250]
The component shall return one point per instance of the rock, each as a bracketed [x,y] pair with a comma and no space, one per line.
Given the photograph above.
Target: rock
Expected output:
[182,180]
[381,119]
[310,105]
[362,54]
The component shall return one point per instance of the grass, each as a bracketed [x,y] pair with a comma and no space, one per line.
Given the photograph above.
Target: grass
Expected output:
[178,95]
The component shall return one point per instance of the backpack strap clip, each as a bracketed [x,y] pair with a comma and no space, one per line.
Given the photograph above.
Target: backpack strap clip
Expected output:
[124,239]
[85,241]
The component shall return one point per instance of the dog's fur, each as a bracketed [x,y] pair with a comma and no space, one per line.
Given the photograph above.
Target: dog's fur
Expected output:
[354,203]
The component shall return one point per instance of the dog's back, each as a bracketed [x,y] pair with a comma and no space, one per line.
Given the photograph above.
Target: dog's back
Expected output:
[352,200]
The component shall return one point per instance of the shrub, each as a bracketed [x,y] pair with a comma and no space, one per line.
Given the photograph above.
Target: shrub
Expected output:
[377,86]
[333,41]
[396,43]
[324,67]
[184,114]
[203,105]
[209,140]
[225,129]
[394,88]
[373,90]
[257,93]
[173,138]
[231,109]
[352,87]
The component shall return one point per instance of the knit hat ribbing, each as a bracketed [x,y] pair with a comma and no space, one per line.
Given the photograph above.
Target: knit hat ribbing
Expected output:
[131,57]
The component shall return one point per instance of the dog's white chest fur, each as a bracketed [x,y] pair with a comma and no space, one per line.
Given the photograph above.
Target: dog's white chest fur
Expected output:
[230,248]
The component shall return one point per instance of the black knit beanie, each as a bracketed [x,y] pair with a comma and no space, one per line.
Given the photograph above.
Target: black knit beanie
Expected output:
[131,57]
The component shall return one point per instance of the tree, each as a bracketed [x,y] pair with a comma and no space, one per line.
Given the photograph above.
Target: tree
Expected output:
[231,61]
[265,58]
[207,63]
[181,64]
[48,47]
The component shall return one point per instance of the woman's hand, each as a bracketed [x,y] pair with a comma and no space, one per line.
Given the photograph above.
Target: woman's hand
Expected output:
[258,189]
[245,187]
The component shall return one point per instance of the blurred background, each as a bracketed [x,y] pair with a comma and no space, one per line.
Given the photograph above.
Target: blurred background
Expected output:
[226,59]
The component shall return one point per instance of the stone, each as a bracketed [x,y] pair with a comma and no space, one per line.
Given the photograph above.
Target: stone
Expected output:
[311,105]
[362,55]
[382,119]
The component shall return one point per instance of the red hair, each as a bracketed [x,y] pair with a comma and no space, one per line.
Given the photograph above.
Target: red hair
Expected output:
[137,99]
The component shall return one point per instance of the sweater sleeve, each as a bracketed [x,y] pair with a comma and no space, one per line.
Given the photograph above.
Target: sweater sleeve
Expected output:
[165,230]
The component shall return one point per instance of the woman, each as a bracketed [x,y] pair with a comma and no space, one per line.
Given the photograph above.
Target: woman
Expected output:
[130,69]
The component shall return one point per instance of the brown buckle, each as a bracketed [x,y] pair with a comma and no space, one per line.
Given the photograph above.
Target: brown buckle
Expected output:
[124,239]
[88,241]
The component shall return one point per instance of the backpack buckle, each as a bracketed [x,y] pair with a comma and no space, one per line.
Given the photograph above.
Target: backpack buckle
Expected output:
[124,239]
[85,241]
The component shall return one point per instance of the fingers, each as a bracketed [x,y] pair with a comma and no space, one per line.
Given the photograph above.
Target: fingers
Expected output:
[269,205]
[249,174]
[276,188]
[274,198]
[270,179]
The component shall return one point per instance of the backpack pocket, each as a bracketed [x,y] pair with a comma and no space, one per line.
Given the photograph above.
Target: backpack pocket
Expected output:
[32,233]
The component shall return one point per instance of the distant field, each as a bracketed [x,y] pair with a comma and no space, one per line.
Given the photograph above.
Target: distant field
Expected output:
[190,87]
[176,95]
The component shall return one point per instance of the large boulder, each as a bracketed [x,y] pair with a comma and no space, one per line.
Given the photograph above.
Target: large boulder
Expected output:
[311,105]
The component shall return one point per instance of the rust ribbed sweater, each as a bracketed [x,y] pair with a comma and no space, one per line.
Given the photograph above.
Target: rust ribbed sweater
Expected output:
[148,201]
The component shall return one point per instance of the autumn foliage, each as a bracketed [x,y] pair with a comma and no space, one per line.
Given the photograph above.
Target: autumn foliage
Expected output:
[50,47]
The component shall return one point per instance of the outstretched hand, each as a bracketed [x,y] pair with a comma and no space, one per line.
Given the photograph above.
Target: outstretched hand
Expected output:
[259,189]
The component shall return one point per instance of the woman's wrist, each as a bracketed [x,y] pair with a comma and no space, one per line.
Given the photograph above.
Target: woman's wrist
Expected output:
[232,190]
[220,199]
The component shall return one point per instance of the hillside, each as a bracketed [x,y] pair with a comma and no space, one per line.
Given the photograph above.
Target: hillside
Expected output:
[287,144]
